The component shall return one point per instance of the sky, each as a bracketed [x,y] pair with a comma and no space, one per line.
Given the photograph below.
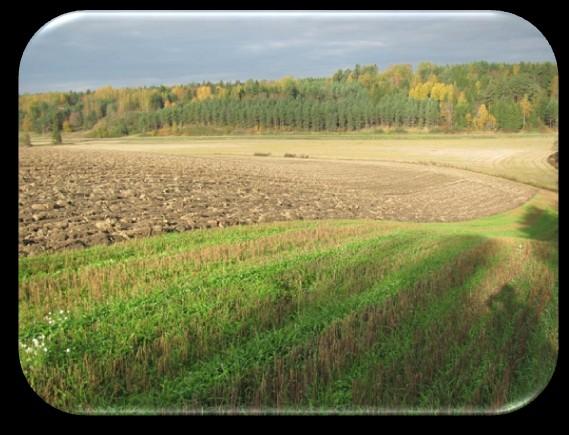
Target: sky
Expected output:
[87,50]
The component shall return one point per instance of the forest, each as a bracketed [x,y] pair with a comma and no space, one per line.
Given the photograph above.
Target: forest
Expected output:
[478,96]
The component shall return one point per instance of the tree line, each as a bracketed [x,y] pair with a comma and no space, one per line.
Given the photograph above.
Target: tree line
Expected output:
[476,96]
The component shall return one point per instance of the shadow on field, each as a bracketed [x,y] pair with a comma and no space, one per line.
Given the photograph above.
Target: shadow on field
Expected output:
[540,224]
[503,304]
[526,350]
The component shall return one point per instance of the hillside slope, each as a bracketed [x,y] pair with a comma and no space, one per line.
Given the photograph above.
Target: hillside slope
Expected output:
[352,315]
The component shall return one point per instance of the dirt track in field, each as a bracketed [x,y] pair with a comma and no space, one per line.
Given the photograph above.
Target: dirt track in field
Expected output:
[75,198]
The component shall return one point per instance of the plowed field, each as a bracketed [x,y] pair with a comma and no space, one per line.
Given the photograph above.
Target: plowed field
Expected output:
[79,197]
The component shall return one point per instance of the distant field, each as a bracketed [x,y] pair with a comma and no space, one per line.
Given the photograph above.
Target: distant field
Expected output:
[520,157]
[309,316]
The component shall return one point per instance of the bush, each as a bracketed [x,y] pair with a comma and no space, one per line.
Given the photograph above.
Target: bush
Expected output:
[398,130]
[25,140]
[56,137]
[300,156]
[435,130]
[262,154]
[454,130]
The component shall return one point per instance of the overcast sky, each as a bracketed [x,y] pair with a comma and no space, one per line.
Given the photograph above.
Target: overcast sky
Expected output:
[86,50]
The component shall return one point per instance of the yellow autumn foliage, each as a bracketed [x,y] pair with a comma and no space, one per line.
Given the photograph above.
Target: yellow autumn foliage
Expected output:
[433,89]
[484,120]
[203,93]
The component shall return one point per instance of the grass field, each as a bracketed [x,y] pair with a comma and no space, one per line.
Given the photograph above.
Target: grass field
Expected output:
[304,316]
[519,157]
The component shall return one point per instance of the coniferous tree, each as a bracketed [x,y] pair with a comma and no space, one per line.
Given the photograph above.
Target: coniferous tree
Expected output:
[56,134]
[523,95]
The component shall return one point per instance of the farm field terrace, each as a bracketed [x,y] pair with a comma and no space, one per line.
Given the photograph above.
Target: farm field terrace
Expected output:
[336,314]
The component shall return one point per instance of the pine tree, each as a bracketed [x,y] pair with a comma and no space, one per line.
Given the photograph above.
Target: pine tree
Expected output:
[56,131]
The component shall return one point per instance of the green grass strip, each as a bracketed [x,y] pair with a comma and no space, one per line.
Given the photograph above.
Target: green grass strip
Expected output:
[194,387]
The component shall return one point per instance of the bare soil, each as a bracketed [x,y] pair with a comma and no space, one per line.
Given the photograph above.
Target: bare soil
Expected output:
[72,198]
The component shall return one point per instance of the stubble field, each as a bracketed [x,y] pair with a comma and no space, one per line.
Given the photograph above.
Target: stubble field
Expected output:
[519,157]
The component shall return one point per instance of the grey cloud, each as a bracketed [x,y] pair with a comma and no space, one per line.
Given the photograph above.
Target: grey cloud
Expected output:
[90,50]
